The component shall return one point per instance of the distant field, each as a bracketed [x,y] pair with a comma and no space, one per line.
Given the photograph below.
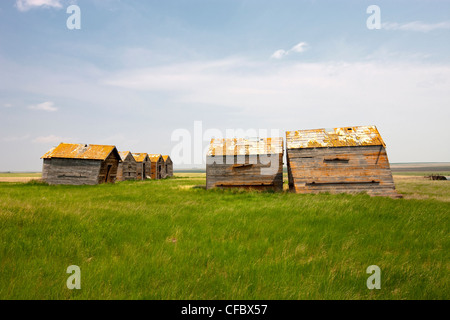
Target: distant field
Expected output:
[20,174]
[420,173]
[168,239]
[437,167]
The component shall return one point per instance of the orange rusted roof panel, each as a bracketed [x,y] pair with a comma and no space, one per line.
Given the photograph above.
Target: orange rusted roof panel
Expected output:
[140,157]
[154,157]
[124,154]
[251,146]
[47,155]
[165,157]
[335,137]
[79,151]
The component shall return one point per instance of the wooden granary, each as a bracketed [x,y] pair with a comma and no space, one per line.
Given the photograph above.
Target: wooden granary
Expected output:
[143,166]
[348,159]
[245,163]
[79,164]
[168,166]
[127,169]
[157,165]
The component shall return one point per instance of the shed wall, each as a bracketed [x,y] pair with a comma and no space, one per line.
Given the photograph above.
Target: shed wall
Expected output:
[140,166]
[169,168]
[157,169]
[127,170]
[244,172]
[340,169]
[108,169]
[71,171]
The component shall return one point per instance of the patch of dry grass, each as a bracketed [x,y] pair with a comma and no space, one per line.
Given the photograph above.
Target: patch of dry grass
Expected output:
[417,187]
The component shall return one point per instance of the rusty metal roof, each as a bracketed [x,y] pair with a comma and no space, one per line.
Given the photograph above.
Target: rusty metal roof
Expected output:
[154,157]
[165,157]
[335,137]
[140,157]
[239,146]
[79,151]
[124,154]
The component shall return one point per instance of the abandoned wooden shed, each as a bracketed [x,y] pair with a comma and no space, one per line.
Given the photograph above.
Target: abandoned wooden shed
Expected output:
[157,165]
[143,166]
[168,166]
[245,163]
[79,164]
[127,169]
[349,159]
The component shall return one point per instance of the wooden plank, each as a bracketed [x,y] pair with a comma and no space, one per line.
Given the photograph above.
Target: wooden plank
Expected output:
[343,169]
[244,171]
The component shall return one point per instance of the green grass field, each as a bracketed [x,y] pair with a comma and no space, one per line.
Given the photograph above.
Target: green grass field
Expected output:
[168,239]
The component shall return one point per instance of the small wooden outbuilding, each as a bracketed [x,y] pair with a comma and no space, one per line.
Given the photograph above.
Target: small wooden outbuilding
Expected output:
[127,169]
[143,166]
[348,159]
[157,165]
[79,164]
[168,166]
[245,163]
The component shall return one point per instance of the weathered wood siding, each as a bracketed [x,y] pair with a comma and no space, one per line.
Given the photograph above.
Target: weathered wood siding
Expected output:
[154,171]
[139,170]
[164,171]
[169,168]
[144,165]
[340,169]
[120,171]
[108,169]
[157,169]
[244,172]
[148,169]
[71,171]
[127,169]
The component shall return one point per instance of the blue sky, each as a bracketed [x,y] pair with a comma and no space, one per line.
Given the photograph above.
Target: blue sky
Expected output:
[137,71]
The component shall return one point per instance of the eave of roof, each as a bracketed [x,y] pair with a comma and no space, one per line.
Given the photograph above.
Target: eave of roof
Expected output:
[155,157]
[79,151]
[140,157]
[335,137]
[251,146]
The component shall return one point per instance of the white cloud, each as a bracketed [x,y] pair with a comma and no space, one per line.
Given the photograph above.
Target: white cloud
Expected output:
[279,54]
[368,85]
[45,106]
[7,105]
[24,5]
[299,48]
[418,26]
[50,139]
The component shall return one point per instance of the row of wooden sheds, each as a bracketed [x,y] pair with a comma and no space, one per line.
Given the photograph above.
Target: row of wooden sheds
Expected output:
[347,159]
[79,164]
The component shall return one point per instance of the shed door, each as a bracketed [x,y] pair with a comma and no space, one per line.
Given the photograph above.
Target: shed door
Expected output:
[108,171]
[143,170]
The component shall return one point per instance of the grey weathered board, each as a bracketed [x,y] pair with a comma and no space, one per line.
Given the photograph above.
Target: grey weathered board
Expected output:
[244,172]
[143,169]
[340,169]
[157,168]
[127,169]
